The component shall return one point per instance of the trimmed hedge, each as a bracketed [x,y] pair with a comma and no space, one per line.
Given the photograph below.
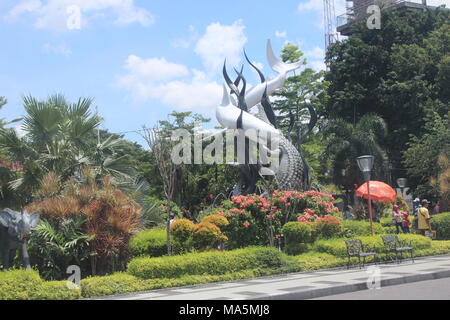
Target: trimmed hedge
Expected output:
[209,263]
[27,285]
[441,223]
[360,228]
[120,283]
[297,236]
[317,260]
[337,246]
[150,242]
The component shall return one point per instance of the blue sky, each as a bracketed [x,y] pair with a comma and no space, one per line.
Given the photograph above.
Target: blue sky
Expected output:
[140,59]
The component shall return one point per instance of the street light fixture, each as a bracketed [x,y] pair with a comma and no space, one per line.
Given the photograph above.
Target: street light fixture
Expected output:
[365,164]
[402,184]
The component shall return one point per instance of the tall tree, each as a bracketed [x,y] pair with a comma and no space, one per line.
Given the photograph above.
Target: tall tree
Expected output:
[57,140]
[347,141]
[426,158]
[399,72]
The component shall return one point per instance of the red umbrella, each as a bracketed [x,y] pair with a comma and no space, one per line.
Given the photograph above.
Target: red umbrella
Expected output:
[379,191]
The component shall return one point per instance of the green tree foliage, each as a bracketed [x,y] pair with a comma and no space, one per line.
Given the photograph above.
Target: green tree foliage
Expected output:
[421,159]
[196,183]
[400,72]
[57,139]
[346,142]
[8,170]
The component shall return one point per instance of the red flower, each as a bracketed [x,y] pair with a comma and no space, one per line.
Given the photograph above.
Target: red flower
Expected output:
[246,224]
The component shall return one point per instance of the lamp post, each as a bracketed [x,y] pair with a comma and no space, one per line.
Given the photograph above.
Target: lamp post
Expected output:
[402,184]
[365,164]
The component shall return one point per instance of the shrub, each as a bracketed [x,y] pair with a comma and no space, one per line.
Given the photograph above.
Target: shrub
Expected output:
[327,227]
[217,219]
[441,223]
[111,218]
[182,230]
[208,263]
[123,283]
[208,236]
[351,228]
[151,242]
[297,235]
[386,222]
[116,283]
[317,260]
[258,220]
[337,246]
[27,285]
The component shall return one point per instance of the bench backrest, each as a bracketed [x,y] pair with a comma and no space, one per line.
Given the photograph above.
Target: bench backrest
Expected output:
[354,246]
[390,241]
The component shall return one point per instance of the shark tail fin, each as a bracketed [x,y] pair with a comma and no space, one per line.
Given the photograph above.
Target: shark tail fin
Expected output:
[277,64]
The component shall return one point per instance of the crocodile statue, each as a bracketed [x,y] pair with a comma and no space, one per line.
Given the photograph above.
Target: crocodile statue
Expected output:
[292,171]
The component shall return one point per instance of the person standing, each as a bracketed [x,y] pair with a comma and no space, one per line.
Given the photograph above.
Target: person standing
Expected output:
[397,218]
[406,222]
[424,217]
[416,207]
[437,208]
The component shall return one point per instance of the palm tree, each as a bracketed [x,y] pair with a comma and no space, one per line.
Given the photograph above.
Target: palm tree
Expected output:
[58,138]
[347,141]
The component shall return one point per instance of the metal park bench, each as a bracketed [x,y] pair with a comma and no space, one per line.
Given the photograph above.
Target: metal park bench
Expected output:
[393,245]
[355,248]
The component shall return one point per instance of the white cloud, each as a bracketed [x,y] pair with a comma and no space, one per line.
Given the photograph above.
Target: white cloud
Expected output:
[315,53]
[174,84]
[58,49]
[152,70]
[171,83]
[280,34]
[186,42]
[316,6]
[198,93]
[53,14]
[317,65]
[220,42]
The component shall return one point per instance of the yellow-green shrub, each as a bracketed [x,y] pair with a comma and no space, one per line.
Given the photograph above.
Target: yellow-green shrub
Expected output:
[316,260]
[353,228]
[327,227]
[209,263]
[216,219]
[151,242]
[441,223]
[297,236]
[182,230]
[207,236]
[27,285]
[337,246]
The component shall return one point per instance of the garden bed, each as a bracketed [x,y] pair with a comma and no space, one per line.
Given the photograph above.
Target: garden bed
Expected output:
[145,273]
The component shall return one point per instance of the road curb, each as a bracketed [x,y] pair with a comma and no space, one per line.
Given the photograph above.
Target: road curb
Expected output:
[323,292]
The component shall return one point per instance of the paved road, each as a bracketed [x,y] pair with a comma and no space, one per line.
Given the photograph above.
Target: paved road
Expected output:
[424,290]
